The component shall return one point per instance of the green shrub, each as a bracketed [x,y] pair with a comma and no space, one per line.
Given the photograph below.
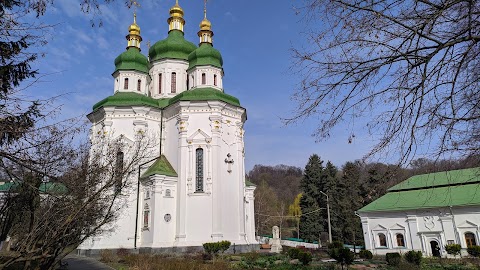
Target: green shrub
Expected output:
[414,257]
[305,257]
[453,249]
[474,251]
[365,254]
[211,248]
[393,259]
[335,244]
[294,253]
[343,256]
[224,245]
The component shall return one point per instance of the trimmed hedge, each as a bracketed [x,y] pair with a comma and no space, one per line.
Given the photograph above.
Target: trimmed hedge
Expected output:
[453,249]
[365,254]
[393,259]
[414,257]
[215,247]
[474,251]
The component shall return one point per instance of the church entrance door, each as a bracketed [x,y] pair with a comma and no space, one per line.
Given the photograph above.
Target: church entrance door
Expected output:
[435,248]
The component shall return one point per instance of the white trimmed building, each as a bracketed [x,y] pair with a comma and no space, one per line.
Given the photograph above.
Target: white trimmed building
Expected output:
[195,192]
[425,213]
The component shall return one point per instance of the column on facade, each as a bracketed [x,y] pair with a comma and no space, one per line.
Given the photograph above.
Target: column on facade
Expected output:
[217,233]
[240,175]
[366,234]
[182,177]
[413,229]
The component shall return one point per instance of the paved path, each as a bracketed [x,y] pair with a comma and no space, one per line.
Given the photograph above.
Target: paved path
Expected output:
[76,262]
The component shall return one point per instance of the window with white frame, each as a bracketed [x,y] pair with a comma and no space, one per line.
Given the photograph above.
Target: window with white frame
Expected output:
[382,240]
[470,239]
[199,170]
[400,240]
[146,216]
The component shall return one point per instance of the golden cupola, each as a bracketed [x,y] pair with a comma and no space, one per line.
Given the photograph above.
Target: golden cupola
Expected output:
[176,20]
[205,34]
[134,39]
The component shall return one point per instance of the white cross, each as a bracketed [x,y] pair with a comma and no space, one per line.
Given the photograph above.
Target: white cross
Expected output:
[229,161]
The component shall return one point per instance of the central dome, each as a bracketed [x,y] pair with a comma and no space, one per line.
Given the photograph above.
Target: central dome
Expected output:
[173,47]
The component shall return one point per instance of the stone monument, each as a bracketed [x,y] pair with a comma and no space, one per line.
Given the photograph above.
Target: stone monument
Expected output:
[276,246]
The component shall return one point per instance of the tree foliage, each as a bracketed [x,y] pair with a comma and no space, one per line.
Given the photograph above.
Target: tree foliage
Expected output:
[311,224]
[410,67]
[85,196]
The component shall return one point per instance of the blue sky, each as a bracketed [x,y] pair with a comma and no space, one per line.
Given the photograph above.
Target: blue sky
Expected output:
[254,38]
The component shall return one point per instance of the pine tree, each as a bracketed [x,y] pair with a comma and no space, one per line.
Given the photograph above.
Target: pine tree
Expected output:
[310,222]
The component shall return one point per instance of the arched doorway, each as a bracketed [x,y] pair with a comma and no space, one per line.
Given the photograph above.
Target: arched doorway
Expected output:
[435,248]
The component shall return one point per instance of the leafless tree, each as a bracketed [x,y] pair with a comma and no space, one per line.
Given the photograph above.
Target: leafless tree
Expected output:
[63,192]
[409,71]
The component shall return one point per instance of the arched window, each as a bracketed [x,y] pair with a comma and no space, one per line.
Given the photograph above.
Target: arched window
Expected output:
[147,194]
[188,83]
[382,240]
[174,82]
[215,79]
[118,171]
[160,83]
[146,215]
[125,84]
[204,78]
[400,240]
[168,193]
[470,239]
[199,170]
[139,85]
[193,81]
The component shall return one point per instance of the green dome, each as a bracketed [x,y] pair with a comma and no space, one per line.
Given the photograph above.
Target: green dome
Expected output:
[205,55]
[173,47]
[132,59]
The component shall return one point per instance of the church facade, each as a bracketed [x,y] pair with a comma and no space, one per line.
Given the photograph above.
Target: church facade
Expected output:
[195,190]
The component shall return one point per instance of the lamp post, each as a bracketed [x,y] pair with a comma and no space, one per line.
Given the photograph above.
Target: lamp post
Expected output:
[328,218]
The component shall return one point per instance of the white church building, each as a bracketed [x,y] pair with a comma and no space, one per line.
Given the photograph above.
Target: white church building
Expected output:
[425,213]
[195,191]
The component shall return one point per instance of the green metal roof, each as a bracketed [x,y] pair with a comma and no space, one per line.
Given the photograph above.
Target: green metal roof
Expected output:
[160,167]
[444,189]
[135,99]
[439,179]
[49,187]
[130,99]
[173,47]
[132,59]
[203,94]
[205,55]
[249,184]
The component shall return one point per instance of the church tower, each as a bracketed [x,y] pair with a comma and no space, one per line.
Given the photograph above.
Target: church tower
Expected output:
[194,190]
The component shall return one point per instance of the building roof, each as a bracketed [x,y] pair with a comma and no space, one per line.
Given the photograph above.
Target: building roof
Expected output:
[439,179]
[205,55]
[160,167]
[136,99]
[204,94]
[175,46]
[130,99]
[48,187]
[443,189]
[132,59]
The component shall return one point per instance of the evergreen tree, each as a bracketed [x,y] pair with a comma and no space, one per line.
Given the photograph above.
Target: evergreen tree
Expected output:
[310,222]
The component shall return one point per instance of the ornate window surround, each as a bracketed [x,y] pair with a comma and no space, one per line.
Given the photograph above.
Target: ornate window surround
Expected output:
[199,139]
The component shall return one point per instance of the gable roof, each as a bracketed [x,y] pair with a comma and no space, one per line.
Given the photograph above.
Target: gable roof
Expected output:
[444,189]
[160,167]
[438,179]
